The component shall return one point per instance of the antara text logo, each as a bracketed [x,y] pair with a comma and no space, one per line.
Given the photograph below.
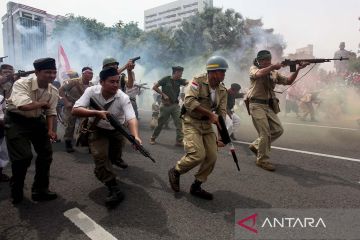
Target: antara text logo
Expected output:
[249,223]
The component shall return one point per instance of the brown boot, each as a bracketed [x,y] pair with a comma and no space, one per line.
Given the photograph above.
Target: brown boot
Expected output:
[253,149]
[174,179]
[265,165]
[152,141]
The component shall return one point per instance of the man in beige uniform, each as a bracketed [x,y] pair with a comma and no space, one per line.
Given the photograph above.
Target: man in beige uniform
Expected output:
[205,100]
[71,91]
[264,105]
[29,121]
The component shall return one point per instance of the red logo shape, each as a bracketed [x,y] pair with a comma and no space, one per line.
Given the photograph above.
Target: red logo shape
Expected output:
[250,228]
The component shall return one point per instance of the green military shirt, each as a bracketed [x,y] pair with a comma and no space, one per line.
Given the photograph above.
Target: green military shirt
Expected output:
[198,94]
[171,88]
[263,87]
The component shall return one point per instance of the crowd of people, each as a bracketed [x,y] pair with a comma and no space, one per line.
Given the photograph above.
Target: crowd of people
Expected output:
[30,107]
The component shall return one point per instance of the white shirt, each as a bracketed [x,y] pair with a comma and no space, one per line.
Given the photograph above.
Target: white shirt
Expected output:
[121,108]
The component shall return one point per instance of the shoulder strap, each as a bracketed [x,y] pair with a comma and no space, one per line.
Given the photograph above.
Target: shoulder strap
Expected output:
[97,120]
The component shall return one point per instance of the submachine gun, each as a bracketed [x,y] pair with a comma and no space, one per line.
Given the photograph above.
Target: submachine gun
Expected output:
[292,63]
[118,126]
[227,140]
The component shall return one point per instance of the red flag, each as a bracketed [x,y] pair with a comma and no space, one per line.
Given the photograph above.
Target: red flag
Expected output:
[63,62]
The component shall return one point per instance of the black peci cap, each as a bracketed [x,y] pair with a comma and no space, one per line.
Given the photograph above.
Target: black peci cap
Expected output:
[44,64]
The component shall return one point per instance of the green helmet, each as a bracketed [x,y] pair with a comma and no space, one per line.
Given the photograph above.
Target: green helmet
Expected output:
[216,63]
[109,60]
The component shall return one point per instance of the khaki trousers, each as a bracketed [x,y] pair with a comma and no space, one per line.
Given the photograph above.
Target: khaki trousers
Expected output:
[268,126]
[201,149]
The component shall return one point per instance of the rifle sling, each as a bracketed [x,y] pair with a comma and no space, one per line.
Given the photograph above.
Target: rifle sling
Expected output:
[97,120]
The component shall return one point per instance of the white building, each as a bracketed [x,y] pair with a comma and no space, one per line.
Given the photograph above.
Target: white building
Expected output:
[172,14]
[26,31]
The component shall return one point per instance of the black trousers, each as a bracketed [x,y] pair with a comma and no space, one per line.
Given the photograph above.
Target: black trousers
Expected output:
[20,134]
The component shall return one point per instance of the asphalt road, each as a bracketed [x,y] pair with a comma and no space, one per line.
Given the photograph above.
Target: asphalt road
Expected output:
[152,211]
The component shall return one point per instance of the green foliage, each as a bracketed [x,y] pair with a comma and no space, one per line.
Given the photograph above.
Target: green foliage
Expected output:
[95,30]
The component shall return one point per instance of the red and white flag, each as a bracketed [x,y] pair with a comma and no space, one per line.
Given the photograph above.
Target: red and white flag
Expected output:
[63,63]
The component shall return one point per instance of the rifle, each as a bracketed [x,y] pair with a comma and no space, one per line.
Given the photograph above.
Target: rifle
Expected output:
[22,73]
[141,85]
[226,140]
[2,59]
[117,125]
[292,63]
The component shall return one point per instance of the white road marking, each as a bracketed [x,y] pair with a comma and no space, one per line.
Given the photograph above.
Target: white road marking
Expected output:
[93,230]
[321,126]
[310,153]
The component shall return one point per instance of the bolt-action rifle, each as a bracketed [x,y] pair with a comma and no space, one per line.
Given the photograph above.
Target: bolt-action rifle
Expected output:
[292,63]
[118,126]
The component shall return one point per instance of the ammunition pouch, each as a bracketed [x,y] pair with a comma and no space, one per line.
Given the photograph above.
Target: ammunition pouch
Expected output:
[274,105]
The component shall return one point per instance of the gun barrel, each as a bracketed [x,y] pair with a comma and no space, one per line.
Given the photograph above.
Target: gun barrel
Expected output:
[24,73]
[135,59]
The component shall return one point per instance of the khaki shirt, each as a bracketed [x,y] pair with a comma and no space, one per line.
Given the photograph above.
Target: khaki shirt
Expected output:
[74,88]
[26,91]
[198,94]
[263,87]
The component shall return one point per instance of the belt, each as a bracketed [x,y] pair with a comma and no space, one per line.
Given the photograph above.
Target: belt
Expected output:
[261,101]
[20,119]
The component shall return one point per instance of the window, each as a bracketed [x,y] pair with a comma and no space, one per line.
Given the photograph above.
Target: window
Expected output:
[190,5]
[152,15]
[154,20]
[186,12]
[170,16]
[26,15]
[170,10]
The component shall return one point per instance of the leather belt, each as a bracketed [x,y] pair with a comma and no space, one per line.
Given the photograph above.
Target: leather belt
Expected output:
[261,101]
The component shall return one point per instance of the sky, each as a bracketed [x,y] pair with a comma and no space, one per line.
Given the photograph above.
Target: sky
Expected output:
[323,23]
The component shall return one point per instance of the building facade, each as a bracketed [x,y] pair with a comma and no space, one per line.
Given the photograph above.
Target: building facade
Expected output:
[26,31]
[172,14]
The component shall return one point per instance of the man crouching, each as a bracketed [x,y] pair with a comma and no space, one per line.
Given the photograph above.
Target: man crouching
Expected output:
[104,140]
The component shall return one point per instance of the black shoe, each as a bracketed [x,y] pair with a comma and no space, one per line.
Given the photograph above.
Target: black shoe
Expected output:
[197,191]
[17,193]
[69,147]
[120,163]
[43,195]
[114,197]
[174,179]
[3,176]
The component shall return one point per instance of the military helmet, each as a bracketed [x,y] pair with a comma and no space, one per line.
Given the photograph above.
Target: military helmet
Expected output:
[263,54]
[216,63]
[110,60]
